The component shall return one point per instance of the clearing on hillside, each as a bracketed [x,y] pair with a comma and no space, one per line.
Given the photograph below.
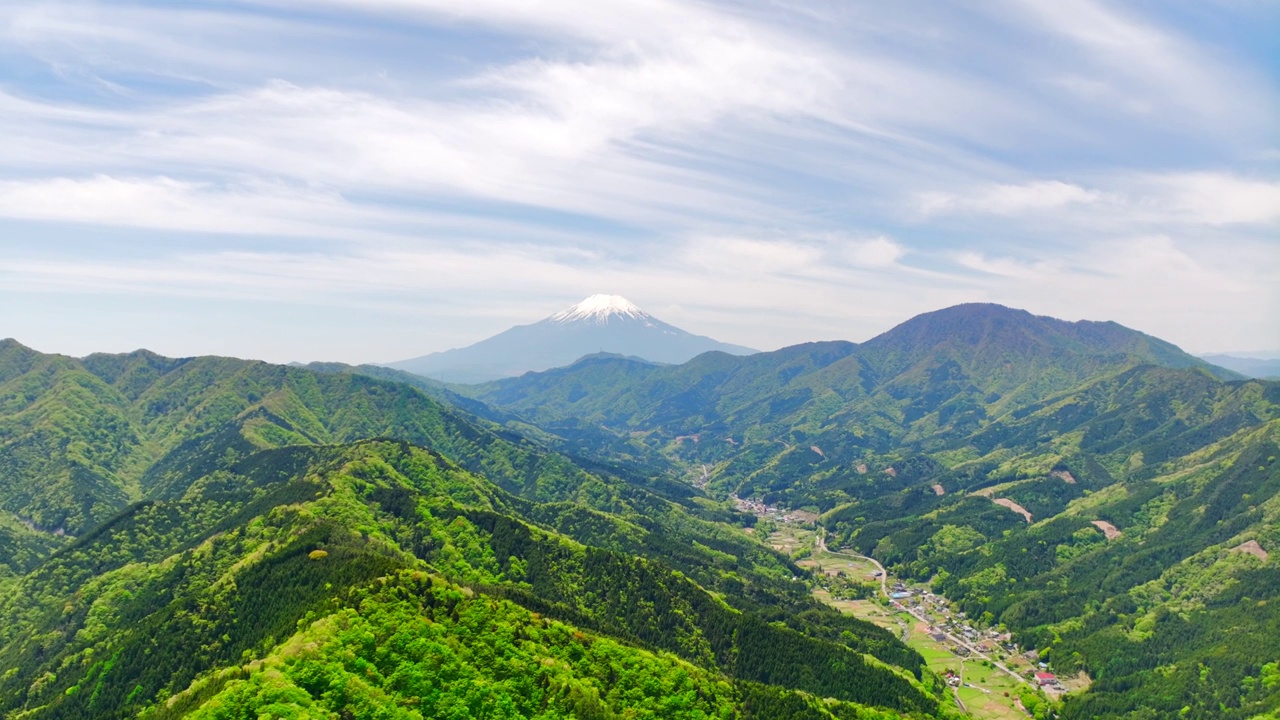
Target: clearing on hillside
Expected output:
[1006,502]
[1253,548]
[1065,476]
[1107,529]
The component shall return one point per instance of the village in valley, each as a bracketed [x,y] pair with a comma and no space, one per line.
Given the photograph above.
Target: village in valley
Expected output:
[989,675]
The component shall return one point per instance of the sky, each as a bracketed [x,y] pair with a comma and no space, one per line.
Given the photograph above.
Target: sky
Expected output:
[371,180]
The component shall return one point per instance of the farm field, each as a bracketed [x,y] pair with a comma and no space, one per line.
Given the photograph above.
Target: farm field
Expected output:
[987,692]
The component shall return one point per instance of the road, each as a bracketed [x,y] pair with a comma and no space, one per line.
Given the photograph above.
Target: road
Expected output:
[884,588]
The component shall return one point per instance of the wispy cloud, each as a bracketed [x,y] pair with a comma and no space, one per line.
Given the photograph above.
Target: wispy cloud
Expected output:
[1007,266]
[764,292]
[1179,198]
[810,160]
[1137,66]
[168,204]
[1036,196]
[1213,198]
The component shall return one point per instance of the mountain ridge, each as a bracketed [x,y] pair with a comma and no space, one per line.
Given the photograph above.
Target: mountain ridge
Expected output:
[269,509]
[1111,500]
[242,528]
[1014,356]
[600,323]
[1255,367]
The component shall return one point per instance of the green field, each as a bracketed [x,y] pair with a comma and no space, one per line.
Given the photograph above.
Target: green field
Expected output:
[988,693]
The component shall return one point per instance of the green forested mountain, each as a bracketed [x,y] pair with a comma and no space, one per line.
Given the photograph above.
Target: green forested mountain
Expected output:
[995,356]
[1137,523]
[110,430]
[217,538]
[802,425]
[586,443]
[1145,562]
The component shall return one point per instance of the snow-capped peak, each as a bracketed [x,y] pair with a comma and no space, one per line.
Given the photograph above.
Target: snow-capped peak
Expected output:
[599,308]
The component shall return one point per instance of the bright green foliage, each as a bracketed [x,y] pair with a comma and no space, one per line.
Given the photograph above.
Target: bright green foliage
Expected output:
[80,440]
[905,442]
[414,647]
[927,385]
[159,610]
[1144,612]
[255,540]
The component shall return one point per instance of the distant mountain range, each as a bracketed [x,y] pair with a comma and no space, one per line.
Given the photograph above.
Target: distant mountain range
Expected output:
[217,538]
[944,379]
[962,365]
[598,324]
[213,538]
[1254,367]
[1111,500]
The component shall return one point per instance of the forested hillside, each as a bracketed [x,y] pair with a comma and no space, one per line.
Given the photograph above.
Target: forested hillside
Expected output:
[218,538]
[1110,499]
[799,425]
[113,429]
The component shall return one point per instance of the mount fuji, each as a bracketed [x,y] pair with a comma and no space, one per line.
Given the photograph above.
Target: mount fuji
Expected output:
[601,323]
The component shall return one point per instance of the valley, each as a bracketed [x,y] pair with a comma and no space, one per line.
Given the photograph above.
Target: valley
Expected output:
[305,543]
[985,687]
[975,503]
[1082,484]
[639,360]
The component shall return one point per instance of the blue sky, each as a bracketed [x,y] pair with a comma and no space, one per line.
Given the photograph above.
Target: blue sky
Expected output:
[376,179]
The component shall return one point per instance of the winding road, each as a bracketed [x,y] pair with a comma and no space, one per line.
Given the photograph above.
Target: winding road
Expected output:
[884,588]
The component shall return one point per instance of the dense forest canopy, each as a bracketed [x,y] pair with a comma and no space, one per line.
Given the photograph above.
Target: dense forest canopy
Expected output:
[221,538]
[218,538]
[1108,498]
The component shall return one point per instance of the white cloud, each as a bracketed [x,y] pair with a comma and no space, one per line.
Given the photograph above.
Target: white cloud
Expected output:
[1139,67]
[250,207]
[877,252]
[1006,266]
[763,293]
[165,203]
[1175,198]
[641,111]
[584,19]
[746,257]
[1034,196]
[1212,198]
[1184,291]
[746,162]
[306,276]
[632,121]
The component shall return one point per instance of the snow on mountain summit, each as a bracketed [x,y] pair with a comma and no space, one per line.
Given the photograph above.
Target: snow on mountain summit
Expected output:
[599,324]
[599,308]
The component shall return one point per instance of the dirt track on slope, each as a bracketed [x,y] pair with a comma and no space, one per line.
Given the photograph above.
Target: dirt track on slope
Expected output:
[1006,502]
